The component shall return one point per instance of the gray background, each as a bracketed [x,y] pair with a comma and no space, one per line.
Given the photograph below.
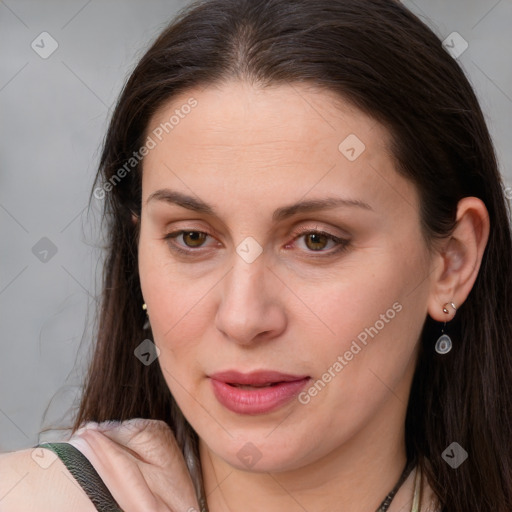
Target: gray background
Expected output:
[53,116]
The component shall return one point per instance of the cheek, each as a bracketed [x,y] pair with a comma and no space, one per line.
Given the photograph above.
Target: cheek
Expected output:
[363,289]
[177,303]
[376,299]
[375,318]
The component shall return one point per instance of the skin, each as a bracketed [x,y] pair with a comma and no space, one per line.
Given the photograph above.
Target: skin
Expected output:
[26,486]
[248,151]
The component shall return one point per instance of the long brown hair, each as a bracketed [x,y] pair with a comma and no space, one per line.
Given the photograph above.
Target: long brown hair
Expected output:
[379,56]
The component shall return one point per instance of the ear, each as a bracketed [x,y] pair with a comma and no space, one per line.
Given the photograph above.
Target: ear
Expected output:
[458,260]
[135,218]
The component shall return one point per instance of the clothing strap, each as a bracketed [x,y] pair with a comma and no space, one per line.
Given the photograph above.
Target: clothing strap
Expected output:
[85,474]
[417,491]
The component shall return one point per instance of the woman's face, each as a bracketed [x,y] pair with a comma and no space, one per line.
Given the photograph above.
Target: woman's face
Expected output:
[247,287]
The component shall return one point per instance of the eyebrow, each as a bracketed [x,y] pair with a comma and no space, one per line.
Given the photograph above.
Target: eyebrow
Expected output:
[198,205]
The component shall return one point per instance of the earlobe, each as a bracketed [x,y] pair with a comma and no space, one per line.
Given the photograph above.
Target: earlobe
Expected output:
[458,262]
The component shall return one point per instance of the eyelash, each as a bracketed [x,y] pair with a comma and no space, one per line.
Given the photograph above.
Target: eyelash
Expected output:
[342,243]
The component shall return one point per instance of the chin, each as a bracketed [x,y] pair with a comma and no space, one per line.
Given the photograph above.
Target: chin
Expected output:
[264,455]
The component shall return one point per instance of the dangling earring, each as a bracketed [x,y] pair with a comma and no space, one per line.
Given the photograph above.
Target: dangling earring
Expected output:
[444,342]
[146,323]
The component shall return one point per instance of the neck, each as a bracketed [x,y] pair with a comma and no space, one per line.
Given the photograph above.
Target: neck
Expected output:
[355,477]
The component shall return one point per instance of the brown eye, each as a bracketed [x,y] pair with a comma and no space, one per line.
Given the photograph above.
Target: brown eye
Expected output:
[322,242]
[190,240]
[194,238]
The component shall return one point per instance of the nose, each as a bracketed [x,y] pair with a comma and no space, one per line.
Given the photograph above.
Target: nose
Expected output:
[250,307]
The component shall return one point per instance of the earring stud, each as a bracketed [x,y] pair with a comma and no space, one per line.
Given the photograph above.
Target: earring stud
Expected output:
[445,310]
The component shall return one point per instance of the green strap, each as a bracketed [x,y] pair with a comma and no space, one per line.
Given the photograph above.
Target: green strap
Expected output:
[85,474]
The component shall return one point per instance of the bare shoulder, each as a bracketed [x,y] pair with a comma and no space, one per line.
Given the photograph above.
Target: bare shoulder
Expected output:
[35,479]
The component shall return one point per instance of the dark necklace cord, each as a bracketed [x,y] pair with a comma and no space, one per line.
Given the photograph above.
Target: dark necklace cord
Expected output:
[389,498]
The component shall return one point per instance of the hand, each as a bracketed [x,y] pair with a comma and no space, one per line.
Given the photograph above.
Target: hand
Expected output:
[141,464]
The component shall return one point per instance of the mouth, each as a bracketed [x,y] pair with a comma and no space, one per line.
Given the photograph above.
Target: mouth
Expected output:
[256,392]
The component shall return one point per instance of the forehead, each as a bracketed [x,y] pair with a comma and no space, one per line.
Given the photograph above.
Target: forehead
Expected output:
[291,138]
[274,117]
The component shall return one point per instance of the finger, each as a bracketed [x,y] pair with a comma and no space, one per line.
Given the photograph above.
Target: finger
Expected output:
[153,443]
[118,469]
[170,485]
[152,440]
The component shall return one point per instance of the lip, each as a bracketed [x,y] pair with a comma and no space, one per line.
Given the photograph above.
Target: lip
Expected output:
[259,400]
